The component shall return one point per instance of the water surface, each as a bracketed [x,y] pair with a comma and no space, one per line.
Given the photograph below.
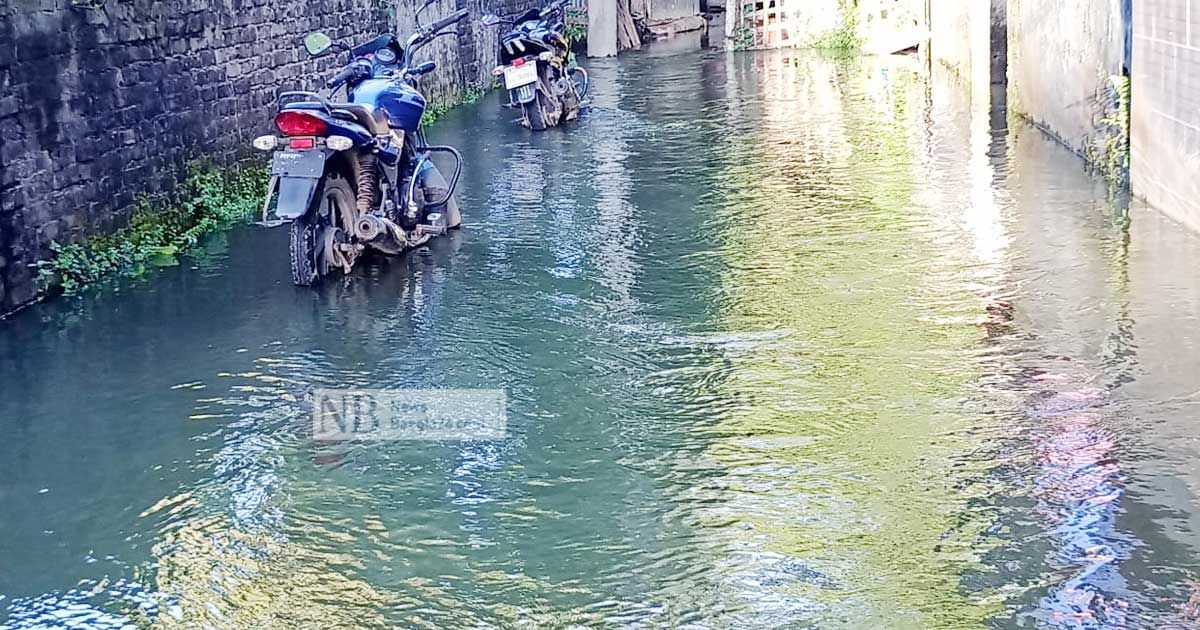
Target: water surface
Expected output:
[787,341]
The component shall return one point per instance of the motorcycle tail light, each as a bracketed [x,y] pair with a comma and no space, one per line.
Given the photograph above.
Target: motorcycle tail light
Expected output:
[518,62]
[302,143]
[293,123]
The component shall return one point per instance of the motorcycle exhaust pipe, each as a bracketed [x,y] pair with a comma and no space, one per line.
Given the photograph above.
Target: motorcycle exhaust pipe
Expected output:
[381,233]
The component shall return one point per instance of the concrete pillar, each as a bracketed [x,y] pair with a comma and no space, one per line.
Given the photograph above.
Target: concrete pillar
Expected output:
[733,16]
[999,42]
[602,28]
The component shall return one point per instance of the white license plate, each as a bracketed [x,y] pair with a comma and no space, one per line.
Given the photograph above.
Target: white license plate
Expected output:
[516,76]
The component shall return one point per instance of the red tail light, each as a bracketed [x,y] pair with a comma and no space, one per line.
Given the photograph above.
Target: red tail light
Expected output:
[518,62]
[293,123]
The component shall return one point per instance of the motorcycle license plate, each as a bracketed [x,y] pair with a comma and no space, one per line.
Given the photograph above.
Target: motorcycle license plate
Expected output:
[516,76]
[298,163]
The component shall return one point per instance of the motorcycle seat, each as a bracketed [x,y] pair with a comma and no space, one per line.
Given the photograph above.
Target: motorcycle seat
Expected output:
[373,118]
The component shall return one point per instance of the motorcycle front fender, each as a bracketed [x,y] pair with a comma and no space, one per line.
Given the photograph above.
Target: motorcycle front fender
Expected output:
[295,195]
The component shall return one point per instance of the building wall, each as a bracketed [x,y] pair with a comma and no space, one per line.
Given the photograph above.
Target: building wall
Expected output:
[886,26]
[960,37]
[672,9]
[1062,55]
[1165,120]
[781,23]
[102,101]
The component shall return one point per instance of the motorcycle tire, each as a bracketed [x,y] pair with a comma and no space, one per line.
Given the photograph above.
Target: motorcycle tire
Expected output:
[535,115]
[304,246]
[307,233]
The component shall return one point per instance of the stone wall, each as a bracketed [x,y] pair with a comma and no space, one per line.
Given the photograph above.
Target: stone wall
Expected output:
[102,101]
[1165,129]
[1062,57]
[465,61]
[105,100]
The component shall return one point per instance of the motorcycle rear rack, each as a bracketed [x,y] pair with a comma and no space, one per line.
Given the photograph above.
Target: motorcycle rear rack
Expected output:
[310,97]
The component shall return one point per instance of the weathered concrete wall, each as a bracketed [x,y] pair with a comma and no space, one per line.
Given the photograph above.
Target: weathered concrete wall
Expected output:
[960,37]
[1165,129]
[1061,55]
[103,100]
[672,9]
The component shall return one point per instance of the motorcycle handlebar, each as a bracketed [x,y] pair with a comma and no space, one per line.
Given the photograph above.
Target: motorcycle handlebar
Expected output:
[551,9]
[340,78]
[356,68]
[443,23]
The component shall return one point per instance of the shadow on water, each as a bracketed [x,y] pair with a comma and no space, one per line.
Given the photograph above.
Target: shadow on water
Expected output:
[788,341]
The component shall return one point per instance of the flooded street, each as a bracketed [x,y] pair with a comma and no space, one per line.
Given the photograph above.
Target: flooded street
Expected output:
[788,341]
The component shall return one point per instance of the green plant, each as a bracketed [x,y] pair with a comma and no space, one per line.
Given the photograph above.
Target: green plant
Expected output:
[575,33]
[208,198]
[744,38]
[1115,166]
[435,111]
[845,37]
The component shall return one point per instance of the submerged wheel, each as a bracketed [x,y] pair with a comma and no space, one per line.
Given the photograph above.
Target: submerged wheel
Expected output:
[535,115]
[308,233]
[304,246]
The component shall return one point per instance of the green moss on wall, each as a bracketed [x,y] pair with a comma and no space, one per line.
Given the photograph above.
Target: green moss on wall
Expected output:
[158,232]
[435,111]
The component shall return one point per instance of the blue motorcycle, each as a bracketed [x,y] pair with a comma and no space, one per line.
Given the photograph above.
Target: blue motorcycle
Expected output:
[358,174]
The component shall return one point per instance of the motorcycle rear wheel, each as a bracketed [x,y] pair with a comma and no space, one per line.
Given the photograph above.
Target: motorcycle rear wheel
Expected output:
[535,116]
[307,233]
[304,246]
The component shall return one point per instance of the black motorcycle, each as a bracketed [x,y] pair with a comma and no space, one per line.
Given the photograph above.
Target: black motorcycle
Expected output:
[535,61]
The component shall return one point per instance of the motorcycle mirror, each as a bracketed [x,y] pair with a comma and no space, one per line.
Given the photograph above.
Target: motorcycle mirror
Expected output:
[417,13]
[317,43]
[491,19]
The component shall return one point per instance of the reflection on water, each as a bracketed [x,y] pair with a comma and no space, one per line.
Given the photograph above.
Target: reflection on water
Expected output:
[788,341]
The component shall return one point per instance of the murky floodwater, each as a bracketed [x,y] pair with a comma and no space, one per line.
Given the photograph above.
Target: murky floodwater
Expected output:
[788,342]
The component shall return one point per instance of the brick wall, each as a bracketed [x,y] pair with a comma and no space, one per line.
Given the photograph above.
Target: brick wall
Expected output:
[102,101]
[1165,128]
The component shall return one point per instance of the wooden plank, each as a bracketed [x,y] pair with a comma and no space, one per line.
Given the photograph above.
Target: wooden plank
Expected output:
[627,35]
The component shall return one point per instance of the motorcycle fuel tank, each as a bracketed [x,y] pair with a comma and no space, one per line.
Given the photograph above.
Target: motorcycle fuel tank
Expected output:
[403,104]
